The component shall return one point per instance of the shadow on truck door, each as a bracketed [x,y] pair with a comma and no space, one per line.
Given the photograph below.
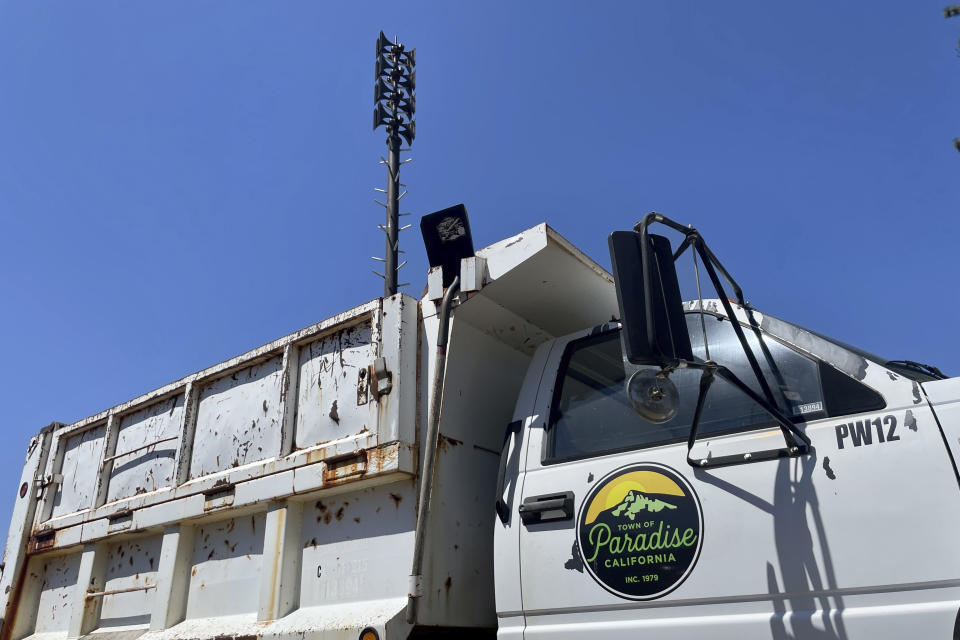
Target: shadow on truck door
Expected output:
[804,599]
[794,498]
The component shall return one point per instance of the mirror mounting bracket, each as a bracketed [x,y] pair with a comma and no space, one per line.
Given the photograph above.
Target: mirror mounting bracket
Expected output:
[797,443]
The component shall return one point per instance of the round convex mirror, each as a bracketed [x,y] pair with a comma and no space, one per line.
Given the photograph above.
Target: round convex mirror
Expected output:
[652,395]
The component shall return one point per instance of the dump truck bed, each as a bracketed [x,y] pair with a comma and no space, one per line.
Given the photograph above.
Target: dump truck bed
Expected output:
[98,542]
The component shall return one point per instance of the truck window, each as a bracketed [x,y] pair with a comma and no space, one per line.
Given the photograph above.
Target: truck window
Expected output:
[591,415]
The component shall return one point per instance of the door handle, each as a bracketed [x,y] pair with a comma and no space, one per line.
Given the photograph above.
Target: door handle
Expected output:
[503,509]
[553,507]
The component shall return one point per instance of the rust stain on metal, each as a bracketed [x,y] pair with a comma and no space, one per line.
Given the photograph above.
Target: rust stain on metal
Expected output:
[275,561]
[397,499]
[447,584]
[344,469]
[383,405]
[222,483]
[445,441]
[42,541]
[324,514]
[120,515]
[381,458]
[317,455]
[333,413]
[363,387]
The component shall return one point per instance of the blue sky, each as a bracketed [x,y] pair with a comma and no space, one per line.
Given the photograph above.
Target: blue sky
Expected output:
[183,181]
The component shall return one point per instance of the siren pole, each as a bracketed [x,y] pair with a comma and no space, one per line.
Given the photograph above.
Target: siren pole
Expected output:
[395,104]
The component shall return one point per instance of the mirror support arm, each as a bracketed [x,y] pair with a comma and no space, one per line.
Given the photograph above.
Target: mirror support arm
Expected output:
[691,237]
[793,449]
[706,379]
[712,265]
[751,358]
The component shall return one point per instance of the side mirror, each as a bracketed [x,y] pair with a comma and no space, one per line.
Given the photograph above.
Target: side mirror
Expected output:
[651,309]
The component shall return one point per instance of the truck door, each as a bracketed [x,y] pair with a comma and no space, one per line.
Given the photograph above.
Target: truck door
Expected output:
[618,533]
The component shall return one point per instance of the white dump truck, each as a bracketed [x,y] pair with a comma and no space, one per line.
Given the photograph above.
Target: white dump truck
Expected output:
[519,454]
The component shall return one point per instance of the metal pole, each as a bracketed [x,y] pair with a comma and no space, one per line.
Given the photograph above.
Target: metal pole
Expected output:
[393,214]
[427,473]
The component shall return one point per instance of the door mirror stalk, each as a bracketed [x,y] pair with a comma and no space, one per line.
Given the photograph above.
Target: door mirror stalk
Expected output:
[654,332]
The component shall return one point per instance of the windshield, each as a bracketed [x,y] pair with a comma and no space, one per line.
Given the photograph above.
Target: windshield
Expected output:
[907,368]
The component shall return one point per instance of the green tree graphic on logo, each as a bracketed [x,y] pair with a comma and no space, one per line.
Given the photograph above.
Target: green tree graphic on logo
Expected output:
[635,502]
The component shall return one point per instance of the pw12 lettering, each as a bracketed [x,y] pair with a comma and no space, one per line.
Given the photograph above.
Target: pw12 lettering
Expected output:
[862,432]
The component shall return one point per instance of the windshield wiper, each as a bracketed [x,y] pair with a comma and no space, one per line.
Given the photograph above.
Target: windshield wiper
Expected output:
[928,369]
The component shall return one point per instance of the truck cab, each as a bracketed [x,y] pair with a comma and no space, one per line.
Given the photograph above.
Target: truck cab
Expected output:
[614,527]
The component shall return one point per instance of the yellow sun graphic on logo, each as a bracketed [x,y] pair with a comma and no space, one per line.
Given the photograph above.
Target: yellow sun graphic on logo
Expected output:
[615,491]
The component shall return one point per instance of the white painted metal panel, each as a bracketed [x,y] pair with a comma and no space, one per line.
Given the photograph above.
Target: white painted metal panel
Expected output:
[483,377]
[146,469]
[334,399]
[225,567]
[56,577]
[357,546]
[131,564]
[399,342]
[544,279]
[81,462]
[944,398]
[238,419]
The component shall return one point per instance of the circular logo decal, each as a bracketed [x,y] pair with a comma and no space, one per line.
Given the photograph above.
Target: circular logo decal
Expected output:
[640,530]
